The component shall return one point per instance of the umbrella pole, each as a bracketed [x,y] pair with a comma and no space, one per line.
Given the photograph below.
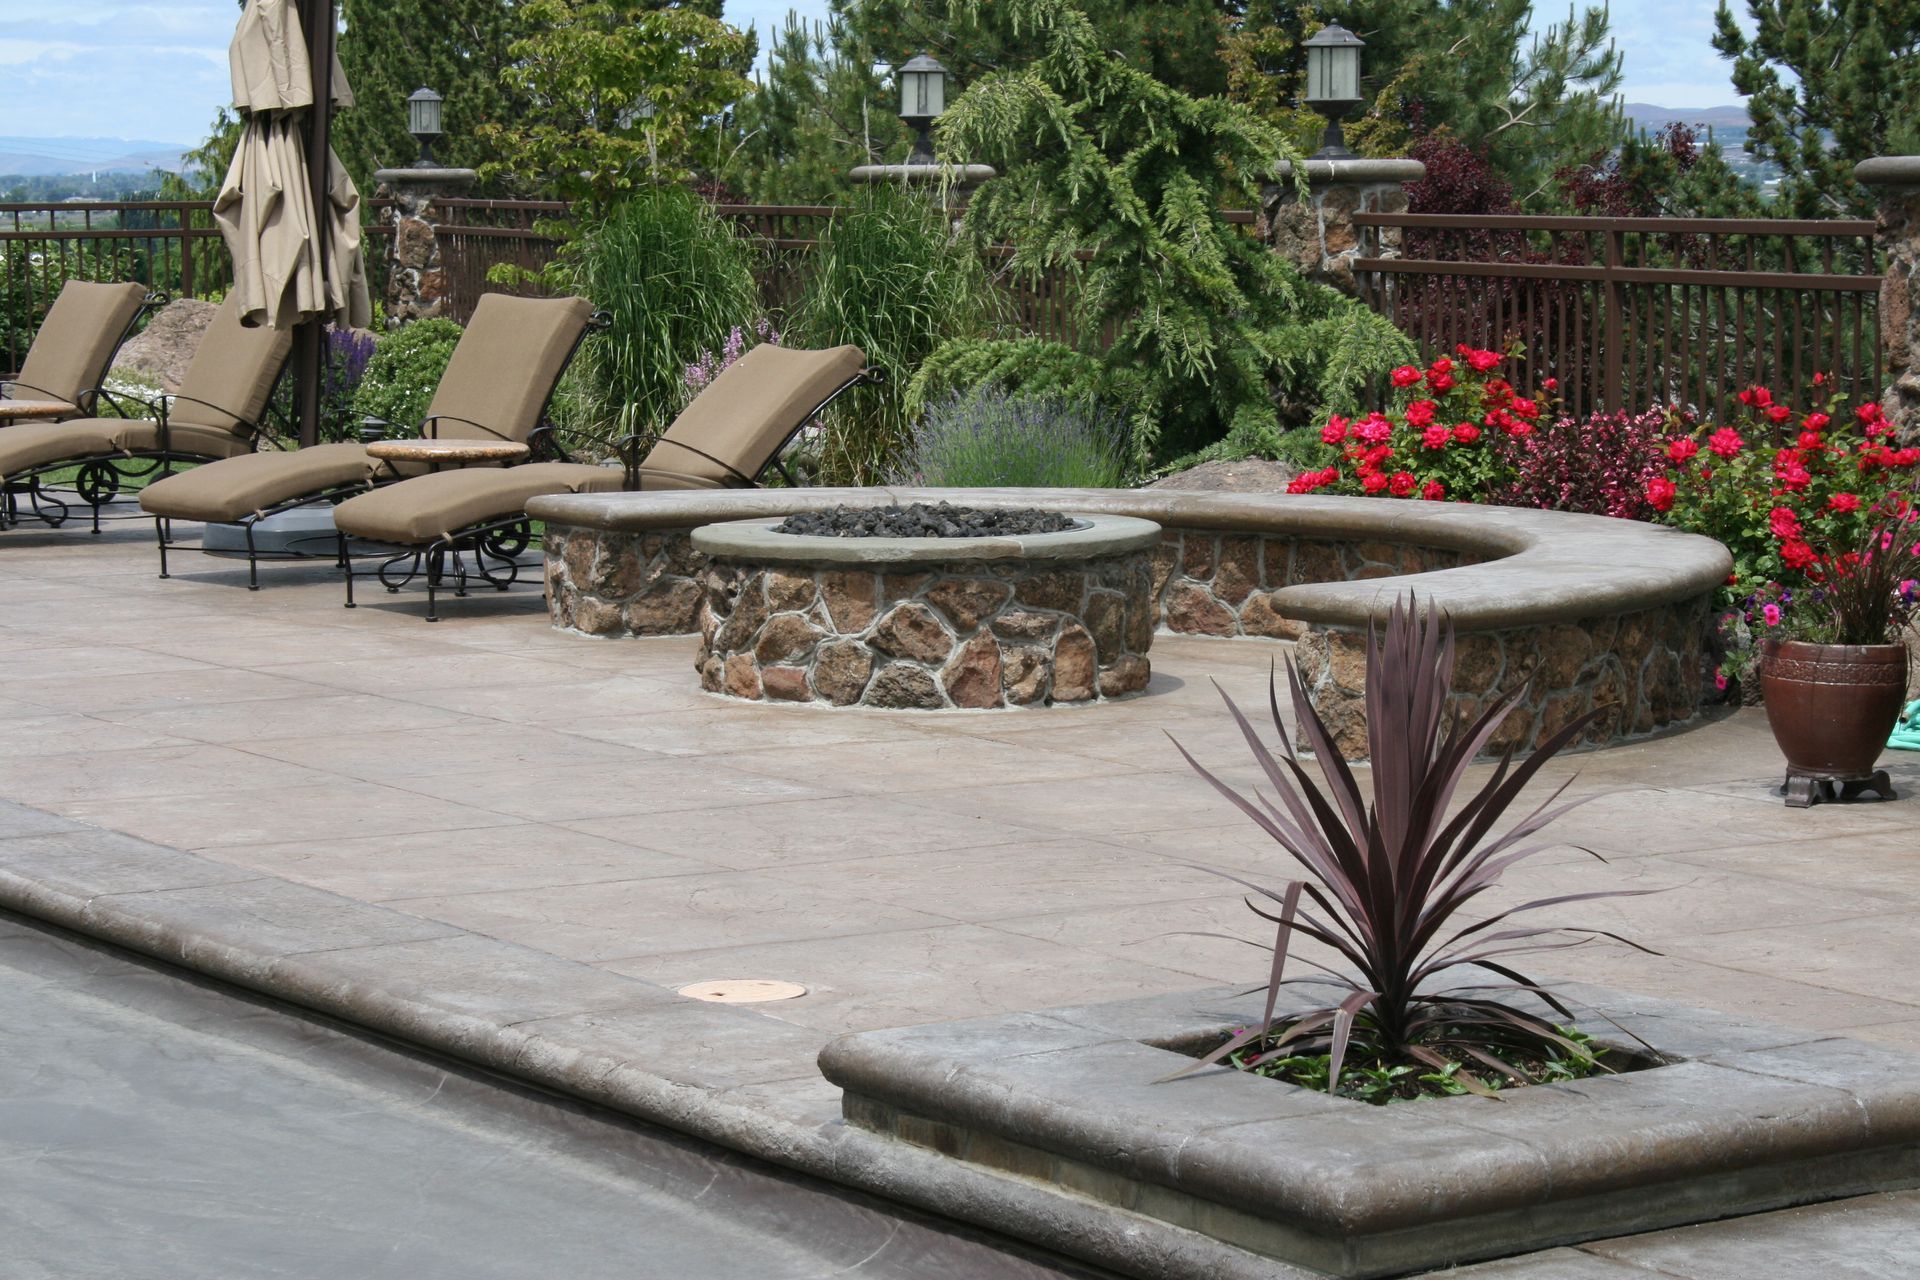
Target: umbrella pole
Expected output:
[309,339]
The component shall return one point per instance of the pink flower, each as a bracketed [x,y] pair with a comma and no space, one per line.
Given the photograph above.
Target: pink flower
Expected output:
[1374,429]
[1720,680]
[1771,612]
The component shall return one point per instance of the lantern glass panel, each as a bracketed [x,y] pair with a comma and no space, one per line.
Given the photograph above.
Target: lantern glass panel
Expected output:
[922,93]
[423,114]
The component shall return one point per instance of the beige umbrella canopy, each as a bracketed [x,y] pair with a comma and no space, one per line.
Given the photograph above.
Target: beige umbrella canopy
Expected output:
[291,261]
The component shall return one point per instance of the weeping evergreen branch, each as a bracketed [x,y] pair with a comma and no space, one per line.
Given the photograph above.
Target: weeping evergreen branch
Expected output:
[1120,182]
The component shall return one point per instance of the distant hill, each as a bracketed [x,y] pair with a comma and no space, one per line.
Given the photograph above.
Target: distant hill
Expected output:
[57,157]
[1648,116]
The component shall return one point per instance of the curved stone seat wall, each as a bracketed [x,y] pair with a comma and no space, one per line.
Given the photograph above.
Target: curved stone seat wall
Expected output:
[1586,610]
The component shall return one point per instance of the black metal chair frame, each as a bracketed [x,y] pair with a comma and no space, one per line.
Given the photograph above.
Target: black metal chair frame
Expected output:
[89,397]
[506,539]
[542,436]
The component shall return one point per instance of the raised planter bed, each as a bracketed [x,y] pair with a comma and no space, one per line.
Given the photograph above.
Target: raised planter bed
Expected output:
[927,623]
[1750,1117]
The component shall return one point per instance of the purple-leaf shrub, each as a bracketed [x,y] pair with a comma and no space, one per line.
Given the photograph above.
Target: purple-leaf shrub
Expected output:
[1600,464]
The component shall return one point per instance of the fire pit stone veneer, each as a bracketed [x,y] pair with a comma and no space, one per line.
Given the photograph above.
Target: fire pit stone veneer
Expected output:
[927,623]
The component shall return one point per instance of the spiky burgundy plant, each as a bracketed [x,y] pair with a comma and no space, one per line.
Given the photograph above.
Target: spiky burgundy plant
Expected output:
[1391,877]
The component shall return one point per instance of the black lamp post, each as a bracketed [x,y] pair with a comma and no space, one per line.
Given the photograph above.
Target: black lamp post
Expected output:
[1333,83]
[923,97]
[423,122]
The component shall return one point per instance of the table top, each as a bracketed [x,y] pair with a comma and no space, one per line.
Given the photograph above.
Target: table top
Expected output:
[447,450]
[15,409]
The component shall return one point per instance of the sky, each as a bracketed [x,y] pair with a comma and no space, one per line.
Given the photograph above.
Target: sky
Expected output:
[156,69]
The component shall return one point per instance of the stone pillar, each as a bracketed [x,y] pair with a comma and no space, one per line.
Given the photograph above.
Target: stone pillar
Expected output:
[1896,181]
[1318,235]
[416,278]
[952,184]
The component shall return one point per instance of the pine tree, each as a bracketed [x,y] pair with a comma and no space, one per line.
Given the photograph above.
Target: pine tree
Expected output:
[1174,41]
[457,48]
[1828,83]
[819,111]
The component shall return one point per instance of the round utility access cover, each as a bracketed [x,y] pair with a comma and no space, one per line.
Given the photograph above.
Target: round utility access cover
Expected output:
[743,990]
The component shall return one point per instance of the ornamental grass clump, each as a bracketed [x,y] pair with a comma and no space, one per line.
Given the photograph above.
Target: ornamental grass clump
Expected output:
[992,439]
[1391,876]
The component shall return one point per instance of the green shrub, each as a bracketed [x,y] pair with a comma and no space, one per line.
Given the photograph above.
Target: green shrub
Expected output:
[992,439]
[889,278]
[676,280]
[402,375]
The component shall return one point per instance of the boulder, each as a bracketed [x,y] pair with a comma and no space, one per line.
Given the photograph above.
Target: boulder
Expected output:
[165,347]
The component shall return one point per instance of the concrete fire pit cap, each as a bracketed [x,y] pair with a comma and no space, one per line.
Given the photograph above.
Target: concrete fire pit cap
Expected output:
[759,542]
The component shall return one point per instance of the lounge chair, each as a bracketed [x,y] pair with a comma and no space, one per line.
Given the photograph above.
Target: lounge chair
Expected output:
[75,344]
[218,412]
[732,434]
[497,386]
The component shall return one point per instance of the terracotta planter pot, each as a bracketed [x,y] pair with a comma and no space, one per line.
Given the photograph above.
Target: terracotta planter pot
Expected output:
[1831,707]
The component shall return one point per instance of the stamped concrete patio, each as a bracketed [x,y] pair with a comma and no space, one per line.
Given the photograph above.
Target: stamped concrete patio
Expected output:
[488,779]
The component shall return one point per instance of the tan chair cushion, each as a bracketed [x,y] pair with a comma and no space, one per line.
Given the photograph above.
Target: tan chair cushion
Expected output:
[222,492]
[189,439]
[505,365]
[745,415]
[35,444]
[427,508]
[83,327]
[235,368]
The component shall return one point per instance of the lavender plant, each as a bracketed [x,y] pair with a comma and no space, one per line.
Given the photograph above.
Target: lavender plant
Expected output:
[1390,878]
[990,439]
[711,364]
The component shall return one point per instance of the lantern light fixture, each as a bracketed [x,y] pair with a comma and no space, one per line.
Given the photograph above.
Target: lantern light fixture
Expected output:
[423,122]
[1333,83]
[923,99]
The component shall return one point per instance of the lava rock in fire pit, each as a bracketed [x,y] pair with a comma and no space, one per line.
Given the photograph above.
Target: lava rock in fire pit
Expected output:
[943,520]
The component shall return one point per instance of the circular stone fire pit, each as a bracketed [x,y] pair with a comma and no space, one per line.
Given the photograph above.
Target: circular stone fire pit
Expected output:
[928,622]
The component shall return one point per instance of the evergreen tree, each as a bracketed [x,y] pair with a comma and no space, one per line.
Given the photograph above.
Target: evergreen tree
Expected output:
[1828,83]
[1195,328]
[819,111]
[1174,41]
[457,48]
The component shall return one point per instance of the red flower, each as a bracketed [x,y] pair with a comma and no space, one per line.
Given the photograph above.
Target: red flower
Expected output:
[1378,454]
[1525,408]
[1466,433]
[1335,431]
[1374,429]
[1815,421]
[1778,413]
[1906,457]
[1550,384]
[1374,482]
[1437,437]
[1420,413]
[1797,554]
[1783,522]
[1402,483]
[1519,430]
[1810,441]
[1683,448]
[1405,376]
[1660,493]
[1442,365]
[1482,361]
[1439,383]
[1844,502]
[1869,413]
[1433,491]
[1756,397]
[1725,442]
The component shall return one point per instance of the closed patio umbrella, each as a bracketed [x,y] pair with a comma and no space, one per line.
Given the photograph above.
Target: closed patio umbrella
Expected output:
[288,212]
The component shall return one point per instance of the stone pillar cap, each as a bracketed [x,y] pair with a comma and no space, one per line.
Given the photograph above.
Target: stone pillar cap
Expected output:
[1356,170]
[965,175]
[435,177]
[1888,171]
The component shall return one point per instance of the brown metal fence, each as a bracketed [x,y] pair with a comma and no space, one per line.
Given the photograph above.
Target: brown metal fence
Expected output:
[170,245]
[1631,312]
